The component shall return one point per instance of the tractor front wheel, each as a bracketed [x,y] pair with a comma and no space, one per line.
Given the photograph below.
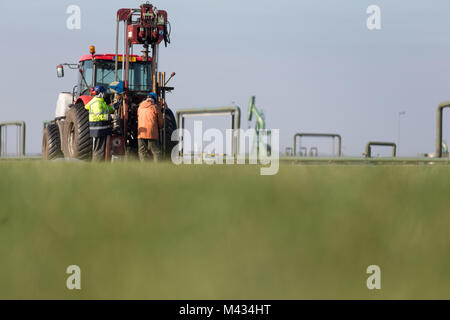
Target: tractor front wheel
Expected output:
[77,140]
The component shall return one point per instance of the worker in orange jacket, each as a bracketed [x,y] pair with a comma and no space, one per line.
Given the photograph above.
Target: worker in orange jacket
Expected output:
[150,119]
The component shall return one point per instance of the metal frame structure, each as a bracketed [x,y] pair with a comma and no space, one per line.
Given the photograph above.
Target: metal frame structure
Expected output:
[3,145]
[288,152]
[313,152]
[366,161]
[439,117]
[380,144]
[234,112]
[318,135]
[149,27]
[303,151]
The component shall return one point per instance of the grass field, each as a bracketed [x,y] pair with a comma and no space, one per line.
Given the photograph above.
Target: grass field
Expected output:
[145,231]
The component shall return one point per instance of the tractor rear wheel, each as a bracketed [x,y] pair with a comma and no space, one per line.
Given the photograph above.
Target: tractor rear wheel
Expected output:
[171,126]
[77,140]
[51,143]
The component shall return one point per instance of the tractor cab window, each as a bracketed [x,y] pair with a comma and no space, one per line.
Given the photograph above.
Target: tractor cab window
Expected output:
[105,71]
[86,67]
[140,78]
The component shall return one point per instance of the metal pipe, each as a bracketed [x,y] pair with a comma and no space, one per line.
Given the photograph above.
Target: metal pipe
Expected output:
[319,135]
[294,149]
[288,152]
[440,109]
[23,138]
[208,111]
[163,81]
[126,62]
[125,46]
[234,112]
[160,84]
[157,58]
[163,97]
[154,82]
[339,145]
[380,144]
[3,144]
[154,67]
[303,151]
[233,144]
[182,137]
[17,139]
[116,64]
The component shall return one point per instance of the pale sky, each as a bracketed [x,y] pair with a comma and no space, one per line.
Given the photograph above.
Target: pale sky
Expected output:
[313,65]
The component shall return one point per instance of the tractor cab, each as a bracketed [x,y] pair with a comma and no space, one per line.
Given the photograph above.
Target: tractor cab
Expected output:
[100,70]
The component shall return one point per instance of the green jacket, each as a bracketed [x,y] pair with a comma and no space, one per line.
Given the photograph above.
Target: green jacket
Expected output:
[98,110]
[99,122]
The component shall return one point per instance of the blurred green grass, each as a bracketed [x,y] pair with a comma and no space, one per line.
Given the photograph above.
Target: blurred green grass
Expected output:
[145,231]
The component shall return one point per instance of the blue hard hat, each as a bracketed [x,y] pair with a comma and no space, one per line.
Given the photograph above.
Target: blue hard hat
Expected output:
[99,89]
[152,95]
[116,86]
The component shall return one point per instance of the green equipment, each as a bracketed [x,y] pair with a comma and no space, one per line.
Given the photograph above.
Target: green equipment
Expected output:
[261,145]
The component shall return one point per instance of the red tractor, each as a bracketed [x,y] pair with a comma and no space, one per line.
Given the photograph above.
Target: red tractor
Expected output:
[130,77]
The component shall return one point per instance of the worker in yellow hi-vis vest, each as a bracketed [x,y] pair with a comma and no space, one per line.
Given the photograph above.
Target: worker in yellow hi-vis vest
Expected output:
[99,123]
